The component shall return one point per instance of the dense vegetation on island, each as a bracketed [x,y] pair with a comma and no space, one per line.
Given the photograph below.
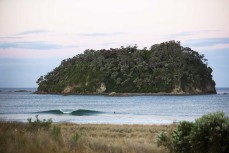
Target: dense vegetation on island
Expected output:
[166,68]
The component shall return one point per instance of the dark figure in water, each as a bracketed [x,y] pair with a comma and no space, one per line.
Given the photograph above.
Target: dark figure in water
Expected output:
[114,112]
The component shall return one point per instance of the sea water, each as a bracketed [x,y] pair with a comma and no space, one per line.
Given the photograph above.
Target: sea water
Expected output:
[19,106]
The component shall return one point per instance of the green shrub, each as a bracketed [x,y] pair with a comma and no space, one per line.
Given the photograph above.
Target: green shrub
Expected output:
[181,137]
[161,139]
[208,134]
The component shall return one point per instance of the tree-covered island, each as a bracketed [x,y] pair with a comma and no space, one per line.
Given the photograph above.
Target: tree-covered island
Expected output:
[163,68]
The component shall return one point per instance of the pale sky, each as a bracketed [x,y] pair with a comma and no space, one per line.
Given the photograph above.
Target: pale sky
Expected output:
[35,35]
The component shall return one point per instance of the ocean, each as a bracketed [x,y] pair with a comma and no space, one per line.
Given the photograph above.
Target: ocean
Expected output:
[97,109]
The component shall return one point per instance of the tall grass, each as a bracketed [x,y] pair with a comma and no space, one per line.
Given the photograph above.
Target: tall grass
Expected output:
[80,138]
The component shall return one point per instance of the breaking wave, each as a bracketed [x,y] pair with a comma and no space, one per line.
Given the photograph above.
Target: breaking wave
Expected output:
[79,112]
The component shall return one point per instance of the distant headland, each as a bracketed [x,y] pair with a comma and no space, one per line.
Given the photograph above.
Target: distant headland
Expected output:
[166,68]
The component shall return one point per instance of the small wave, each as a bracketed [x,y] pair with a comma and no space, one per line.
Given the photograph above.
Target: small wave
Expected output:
[57,111]
[79,112]
[83,112]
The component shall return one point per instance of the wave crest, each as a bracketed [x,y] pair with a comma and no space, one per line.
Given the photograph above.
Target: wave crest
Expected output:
[79,112]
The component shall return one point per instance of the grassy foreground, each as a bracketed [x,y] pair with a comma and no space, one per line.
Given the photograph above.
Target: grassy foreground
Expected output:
[80,138]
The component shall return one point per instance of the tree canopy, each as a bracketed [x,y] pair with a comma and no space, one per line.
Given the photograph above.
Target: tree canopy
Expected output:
[167,67]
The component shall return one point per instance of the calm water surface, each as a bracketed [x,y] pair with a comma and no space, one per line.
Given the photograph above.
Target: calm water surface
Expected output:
[18,106]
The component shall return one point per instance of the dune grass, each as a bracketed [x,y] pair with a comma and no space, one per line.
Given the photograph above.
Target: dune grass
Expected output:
[80,138]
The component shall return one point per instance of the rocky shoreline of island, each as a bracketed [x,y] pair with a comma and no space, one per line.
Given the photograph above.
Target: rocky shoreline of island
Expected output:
[114,94]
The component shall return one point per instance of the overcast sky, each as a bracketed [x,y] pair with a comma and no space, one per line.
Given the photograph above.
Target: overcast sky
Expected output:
[35,35]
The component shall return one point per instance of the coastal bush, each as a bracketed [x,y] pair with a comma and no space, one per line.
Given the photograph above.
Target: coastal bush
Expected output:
[181,137]
[162,139]
[38,124]
[208,134]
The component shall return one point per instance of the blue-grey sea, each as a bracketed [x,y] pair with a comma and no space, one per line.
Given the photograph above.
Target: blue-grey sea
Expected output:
[19,106]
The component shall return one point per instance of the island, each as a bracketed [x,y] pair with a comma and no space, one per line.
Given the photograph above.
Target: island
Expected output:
[165,68]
